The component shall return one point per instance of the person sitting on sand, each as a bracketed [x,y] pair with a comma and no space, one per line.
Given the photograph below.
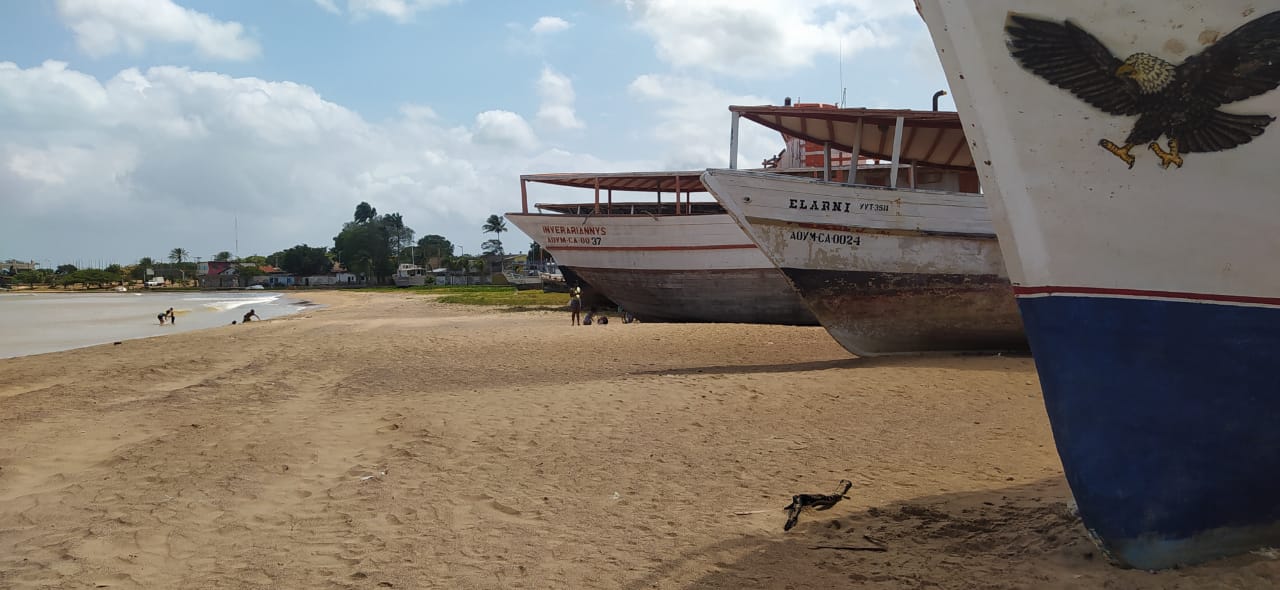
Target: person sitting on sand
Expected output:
[249,316]
[604,319]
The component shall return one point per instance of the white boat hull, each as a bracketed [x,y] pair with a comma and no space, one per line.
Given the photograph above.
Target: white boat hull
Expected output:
[885,271]
[670,267]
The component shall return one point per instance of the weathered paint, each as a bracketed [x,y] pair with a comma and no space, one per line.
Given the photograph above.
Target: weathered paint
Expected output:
[877,313]
[885,271]
[752,295]
[1145,290]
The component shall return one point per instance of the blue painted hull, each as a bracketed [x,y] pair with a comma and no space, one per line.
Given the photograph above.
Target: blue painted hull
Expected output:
[1166,414]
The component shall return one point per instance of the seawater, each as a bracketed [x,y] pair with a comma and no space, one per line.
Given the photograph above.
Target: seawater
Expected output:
[35,323]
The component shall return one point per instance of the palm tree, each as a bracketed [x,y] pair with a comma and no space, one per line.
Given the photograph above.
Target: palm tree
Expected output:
[222,256]
[177,255]
[365,212]
[495,225]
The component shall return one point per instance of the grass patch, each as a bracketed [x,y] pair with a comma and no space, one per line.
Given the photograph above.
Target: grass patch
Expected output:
[530,299]
[440,289]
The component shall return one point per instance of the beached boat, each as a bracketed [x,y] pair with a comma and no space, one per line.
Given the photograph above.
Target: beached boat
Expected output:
[1126,155]
[410,275]
[673,260]
[902,259]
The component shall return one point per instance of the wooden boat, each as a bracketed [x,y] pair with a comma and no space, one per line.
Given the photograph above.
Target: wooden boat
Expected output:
[1126,151]
[673,260]
[903,259]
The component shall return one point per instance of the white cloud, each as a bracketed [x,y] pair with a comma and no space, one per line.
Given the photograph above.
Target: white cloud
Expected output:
[181,153]
[556,91]
[329,6]
[549,24]
[401,11]
[693,125]
[763,37]
[505,130]
[104,27]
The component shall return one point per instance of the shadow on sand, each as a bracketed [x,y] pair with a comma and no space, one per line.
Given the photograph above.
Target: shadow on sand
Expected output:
[1025,536]
[976,361]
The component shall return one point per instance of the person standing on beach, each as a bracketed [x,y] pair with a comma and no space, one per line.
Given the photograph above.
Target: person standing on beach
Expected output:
[173,319]
[575,305]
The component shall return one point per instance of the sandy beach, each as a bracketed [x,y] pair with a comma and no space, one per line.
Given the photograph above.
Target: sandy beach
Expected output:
[388,441]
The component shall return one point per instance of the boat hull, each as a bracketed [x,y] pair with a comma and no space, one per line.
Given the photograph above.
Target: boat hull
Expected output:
[878,272]
[1152,317]
[1153,483]
[746,295]
[694,268]
[882,313]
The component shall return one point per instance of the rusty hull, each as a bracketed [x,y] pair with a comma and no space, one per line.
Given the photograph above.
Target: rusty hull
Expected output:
[882,313]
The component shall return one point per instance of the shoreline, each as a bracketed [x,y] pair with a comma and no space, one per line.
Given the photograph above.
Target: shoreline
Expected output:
[389,439]
[126,332]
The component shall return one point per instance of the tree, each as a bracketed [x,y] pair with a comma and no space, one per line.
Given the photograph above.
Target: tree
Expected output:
[255,259]
[139,271]
[436,248]
[222,256]
[31,277]
[305,260]
[65,269]
[365,212]
[492,247]
[495,225]
[399,234]
[368,245]
[537,254]
[177,255]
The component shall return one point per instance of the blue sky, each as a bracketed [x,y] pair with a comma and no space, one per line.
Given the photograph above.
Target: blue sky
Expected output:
[130,127]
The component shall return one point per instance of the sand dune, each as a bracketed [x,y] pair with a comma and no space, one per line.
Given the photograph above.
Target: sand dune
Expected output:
[390,441]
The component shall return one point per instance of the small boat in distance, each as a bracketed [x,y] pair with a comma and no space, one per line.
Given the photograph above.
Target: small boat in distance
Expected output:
[674,260]
[1127,151]
[410,275]
[900,259]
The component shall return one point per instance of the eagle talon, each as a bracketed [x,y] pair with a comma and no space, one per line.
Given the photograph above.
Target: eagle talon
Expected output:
[1169,157]
[1119,152]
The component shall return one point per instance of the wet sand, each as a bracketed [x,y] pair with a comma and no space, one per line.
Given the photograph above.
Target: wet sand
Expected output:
[390,441]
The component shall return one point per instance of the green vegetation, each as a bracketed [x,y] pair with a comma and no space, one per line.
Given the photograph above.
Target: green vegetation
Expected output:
[495,225]
[493,295]
[369,243]
[530,299]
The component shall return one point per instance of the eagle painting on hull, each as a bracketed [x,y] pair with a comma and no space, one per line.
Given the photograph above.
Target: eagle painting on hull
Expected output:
[1179,102]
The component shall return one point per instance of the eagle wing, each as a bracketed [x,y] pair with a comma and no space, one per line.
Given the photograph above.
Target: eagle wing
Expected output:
[1242,64]
[1070,58]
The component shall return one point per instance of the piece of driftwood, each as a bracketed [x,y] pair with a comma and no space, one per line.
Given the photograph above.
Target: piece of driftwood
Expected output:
[815,501]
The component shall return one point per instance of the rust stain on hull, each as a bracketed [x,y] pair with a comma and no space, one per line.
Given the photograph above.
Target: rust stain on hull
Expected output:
[878,313]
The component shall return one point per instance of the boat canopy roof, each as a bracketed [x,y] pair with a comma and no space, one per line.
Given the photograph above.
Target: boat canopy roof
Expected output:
[688,181]
[933,138]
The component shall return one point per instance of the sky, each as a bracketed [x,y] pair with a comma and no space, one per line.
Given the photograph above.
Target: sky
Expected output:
[132,127]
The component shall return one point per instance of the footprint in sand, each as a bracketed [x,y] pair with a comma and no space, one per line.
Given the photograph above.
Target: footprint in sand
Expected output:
[486,505]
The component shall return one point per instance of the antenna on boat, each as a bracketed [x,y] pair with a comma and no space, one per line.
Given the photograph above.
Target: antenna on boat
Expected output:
[842,89]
